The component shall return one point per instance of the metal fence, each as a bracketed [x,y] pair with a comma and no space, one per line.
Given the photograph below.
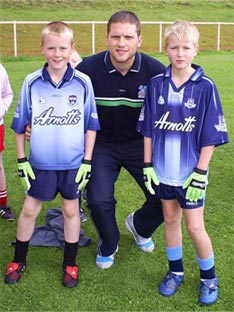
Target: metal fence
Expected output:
[22,38]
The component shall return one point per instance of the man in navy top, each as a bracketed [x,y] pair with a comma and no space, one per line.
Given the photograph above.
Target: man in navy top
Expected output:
[119,77]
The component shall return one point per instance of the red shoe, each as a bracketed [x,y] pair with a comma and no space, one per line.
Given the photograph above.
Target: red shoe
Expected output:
[70,276]
[14,272]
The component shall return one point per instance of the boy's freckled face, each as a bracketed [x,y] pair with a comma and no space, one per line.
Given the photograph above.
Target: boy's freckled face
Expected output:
[57,50]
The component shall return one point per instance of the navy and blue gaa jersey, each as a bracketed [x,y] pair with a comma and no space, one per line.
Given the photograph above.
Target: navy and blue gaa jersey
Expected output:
[59,115]
[180,122]
[119,98]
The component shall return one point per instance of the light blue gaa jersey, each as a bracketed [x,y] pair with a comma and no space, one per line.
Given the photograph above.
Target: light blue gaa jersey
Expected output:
[180,122]
[59,115]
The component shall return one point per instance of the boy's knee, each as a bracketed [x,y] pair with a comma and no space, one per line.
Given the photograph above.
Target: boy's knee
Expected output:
[194,230]
[70,213]
[29,213]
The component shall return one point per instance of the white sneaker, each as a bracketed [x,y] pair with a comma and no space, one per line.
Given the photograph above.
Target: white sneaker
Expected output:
[145,244]
[105,262]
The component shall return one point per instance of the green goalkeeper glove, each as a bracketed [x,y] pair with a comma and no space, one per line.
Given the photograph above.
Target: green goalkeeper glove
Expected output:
[25,171]
[196,184]
[83,174]
[149,175]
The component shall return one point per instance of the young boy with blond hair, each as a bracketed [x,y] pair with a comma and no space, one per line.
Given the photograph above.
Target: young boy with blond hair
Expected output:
[182,122]
[59,103]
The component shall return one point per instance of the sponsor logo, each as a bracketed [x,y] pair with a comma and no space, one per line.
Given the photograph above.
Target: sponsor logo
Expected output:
[221,126]
[42,100]
[189,203]
[47,118]
[197,184]
[164,124]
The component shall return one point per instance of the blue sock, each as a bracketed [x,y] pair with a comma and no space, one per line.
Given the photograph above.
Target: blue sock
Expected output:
[207,267]
[174,256]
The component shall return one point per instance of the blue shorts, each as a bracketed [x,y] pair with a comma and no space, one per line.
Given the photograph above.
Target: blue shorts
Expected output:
[49,183]
[169,192]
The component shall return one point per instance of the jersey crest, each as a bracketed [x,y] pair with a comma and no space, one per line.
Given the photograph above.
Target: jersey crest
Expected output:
[142,91]
[72,100]
[190,103]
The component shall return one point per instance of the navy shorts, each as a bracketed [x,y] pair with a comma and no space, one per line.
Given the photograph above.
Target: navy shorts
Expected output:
[169,192]
[49,183]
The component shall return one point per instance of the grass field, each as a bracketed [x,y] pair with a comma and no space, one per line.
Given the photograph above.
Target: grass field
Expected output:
[131,284]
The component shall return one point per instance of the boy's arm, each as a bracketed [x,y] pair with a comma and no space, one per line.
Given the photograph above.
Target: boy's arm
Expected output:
[205,157]
[84,172]
[196,182]
[20,145]
[147,150]
[24,168]
[149,174]
[6,95]
[90,137]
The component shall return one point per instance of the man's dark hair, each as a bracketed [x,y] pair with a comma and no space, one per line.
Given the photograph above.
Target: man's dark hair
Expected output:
[125,17]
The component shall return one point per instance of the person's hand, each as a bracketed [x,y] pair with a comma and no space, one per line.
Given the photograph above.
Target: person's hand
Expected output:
[196,184]
[25,171]
[27,133]
[150,176]
[83,174]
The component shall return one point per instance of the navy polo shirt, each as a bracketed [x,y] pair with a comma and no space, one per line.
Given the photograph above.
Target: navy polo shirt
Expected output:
[119,98]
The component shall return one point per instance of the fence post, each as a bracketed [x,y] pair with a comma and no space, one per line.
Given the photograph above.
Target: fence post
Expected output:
[93,37]
[15,38]
[218,37]
[160,37]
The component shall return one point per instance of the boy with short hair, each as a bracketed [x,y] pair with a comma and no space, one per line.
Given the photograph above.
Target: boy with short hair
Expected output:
[59,103]
[182,122]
